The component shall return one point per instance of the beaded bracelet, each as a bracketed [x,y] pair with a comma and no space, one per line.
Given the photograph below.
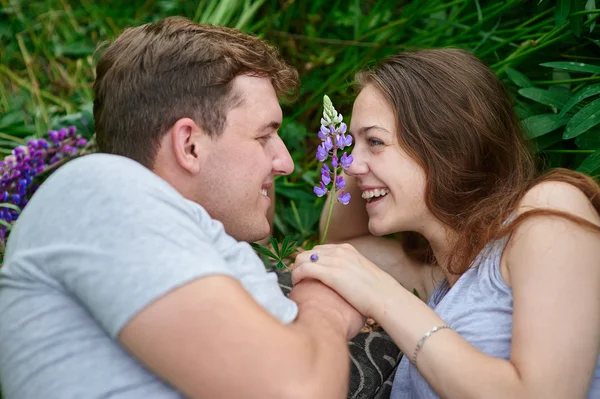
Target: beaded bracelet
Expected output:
[423,338]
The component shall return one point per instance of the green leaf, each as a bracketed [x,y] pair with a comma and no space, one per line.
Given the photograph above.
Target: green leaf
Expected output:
[10,206]
[584,120]
[287,247]
[591,5]
[5,224]
[573,66]
[577,20]
[547,140]
[591,163]
[285,242]
[294,193]
[546,97]
[581,95]
[589,140]
[76,50]
[538,125]
[263,250]
[275,245]
[561,12]
[518,78]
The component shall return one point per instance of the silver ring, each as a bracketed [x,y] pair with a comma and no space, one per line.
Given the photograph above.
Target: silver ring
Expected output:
[314,258]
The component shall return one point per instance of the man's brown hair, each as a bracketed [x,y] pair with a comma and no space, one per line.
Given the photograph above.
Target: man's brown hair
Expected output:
[158,73]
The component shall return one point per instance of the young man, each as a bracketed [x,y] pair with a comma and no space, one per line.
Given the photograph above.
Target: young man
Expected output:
[128,274]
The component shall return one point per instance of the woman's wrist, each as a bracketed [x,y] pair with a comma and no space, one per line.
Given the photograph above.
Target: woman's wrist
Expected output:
[388,301]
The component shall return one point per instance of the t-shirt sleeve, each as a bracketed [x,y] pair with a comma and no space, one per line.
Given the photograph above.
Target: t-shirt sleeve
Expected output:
[114,236]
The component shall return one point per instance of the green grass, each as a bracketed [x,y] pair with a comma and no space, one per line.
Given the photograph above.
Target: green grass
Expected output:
[48,57]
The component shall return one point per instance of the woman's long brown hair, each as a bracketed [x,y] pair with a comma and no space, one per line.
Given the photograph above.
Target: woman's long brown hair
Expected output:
[456,119]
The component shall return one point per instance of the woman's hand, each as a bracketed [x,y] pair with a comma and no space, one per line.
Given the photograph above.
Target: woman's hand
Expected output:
[341,267]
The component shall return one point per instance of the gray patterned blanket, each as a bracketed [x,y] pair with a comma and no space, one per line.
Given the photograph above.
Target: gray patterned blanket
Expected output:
[373,355]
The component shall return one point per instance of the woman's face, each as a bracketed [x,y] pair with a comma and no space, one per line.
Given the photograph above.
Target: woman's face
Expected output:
[391,182]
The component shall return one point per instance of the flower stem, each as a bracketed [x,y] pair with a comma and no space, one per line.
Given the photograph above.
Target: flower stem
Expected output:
[331,202]
[331,197]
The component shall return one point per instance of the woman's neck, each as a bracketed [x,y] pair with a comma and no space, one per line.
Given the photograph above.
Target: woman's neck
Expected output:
[441,239]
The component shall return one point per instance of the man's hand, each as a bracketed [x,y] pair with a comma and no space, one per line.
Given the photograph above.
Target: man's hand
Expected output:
[314,294]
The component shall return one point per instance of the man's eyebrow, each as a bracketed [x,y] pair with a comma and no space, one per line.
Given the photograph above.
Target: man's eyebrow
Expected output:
[365,129]
[273,125]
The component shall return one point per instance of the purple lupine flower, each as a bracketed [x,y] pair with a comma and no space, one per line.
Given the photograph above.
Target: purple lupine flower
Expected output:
[346,160]
[344,198]
[332,134]
[18,170]
[340,182]
[325,177]
[62,134]
[321,153]
[323,132]
[348,140]
[334,161]
[320,190]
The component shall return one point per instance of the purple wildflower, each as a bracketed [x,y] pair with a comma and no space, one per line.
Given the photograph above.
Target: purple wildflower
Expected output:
[323,132]
[321,153]
[325,177]
[320,190]
[344,198]
[342,128]
[18,170]
[346,160]
[334,161]
[340,182]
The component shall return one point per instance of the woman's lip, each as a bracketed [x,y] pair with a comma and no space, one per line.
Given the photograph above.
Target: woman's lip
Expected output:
[369,188]
[374,203]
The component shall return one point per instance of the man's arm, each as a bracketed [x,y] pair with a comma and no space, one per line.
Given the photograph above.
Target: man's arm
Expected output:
[209,338]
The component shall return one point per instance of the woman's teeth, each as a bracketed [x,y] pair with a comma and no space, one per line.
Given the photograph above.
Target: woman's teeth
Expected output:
[263,191]
[369,195]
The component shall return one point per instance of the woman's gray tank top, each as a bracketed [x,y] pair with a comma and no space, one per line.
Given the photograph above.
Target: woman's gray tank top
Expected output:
[478,307]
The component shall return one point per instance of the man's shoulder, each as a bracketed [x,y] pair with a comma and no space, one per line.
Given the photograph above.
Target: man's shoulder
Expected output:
[105,177]
[103,168]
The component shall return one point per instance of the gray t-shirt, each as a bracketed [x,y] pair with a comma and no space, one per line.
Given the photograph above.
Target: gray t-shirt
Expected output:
[101,239]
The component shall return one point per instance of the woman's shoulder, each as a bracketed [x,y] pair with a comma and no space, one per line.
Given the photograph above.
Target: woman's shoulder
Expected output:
[548,213]
[559,196]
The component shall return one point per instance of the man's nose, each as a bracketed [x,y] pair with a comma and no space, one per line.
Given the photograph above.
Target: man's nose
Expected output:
[283,163]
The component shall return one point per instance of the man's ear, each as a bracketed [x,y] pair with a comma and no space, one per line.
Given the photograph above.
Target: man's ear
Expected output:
[188,147]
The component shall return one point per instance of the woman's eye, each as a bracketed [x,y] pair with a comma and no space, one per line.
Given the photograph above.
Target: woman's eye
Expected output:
[374,142]
[264,139]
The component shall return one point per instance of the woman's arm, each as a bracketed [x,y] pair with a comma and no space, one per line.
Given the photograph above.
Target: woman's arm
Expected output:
[347,221]
[555,277]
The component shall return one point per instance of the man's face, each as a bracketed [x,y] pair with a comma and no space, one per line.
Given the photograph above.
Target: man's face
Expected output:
[244,160]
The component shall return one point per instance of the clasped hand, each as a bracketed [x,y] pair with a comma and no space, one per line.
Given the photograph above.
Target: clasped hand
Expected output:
[355,278]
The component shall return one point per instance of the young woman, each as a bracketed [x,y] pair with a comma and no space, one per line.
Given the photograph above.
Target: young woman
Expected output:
[512,289]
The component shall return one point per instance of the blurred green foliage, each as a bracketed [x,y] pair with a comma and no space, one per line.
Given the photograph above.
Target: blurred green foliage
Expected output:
[546,52]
